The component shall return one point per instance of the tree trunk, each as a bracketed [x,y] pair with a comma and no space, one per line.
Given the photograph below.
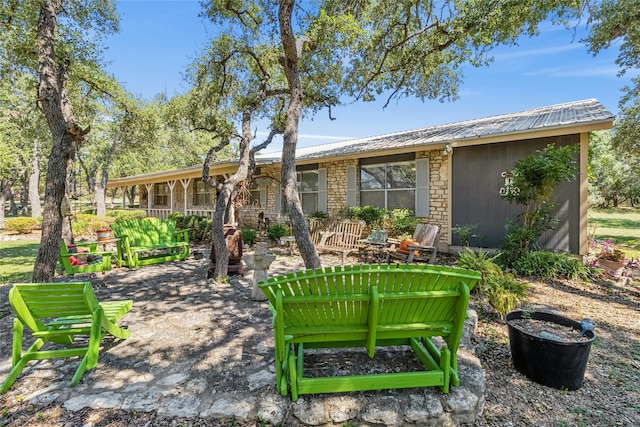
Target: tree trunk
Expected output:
[292,53]
[217,232]
[101,192]
[24,195]
[65,134]
[5,190]
[131,194]
[13,208]
[34,182]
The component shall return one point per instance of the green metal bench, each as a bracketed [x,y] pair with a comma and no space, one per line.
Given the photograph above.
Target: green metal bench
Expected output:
[368,306]
[149,241]
[102,260]
[57,313]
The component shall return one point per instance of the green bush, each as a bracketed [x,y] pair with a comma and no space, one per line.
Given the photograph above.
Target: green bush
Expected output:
[400,223]
[21,225]
[319,215]
[481,262]
[373,216]
[80,228]
[347,212]
[83,224]
[551,265]
[276,231]
[199,226]
[465,233]
[249,236]
[124,215]
[504,292]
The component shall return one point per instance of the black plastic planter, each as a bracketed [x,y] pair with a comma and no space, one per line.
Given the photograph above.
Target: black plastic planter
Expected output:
[549,362]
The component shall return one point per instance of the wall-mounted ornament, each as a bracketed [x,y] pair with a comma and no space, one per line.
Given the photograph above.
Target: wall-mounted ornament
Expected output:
[509,188]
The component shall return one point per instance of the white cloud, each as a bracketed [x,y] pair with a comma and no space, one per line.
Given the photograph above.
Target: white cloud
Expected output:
[576,71]
[543,51]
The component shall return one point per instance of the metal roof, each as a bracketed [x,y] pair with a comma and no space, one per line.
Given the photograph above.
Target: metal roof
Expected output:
[523,124]
[585,112]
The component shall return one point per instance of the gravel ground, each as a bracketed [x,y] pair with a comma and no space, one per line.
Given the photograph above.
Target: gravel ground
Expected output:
[610,395]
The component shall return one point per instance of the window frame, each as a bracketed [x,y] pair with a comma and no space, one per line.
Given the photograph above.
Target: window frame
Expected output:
[207,196]
[161,198]
[385,186]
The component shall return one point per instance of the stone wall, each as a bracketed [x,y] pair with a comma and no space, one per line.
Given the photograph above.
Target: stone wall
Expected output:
[438,191]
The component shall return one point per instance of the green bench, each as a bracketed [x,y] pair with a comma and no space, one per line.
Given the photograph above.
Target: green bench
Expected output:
[149,241]
[368,306]
[88,260]
[57,313]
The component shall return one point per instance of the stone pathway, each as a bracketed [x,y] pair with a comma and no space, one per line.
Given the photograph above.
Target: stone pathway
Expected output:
[199,349]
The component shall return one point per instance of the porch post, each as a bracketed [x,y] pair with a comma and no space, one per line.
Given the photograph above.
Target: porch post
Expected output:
[584,194]
[171,184]
[185,185]
[149,197]
[124,196]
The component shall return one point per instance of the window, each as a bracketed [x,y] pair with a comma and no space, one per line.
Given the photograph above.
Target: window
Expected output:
[257,192]
[388,185]
[308,190]
[161,194]
[202,193]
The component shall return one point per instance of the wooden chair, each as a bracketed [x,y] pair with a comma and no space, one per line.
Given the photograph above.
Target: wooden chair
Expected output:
[369,306]
[422,248]
[57,313]
[341,236]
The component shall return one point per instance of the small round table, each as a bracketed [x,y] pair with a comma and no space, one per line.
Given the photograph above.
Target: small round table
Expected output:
[288,241]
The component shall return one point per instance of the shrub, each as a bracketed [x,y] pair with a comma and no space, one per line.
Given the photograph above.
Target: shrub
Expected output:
[21,225]
[481,262]
[400,223]
[319,215]
[83,224]
[532,185]
[276,231]
[249,236]
[124,215]
[504,292]
[551,265]
[199,226]
[347,212]
[80,228]
[465,233]
[372,215]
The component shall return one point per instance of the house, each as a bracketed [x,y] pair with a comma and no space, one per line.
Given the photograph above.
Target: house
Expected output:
[450,175]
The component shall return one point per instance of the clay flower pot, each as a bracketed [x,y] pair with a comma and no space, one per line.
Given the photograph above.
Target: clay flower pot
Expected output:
[104,234]
[546,358]
[613,268]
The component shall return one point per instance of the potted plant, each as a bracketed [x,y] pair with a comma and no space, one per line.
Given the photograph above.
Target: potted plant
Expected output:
[550,349]
[104,233]
[610,257]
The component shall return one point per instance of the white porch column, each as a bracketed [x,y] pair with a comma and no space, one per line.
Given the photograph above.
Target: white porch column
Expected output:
[149,197]
[124,196]
[185,185]
[171,184]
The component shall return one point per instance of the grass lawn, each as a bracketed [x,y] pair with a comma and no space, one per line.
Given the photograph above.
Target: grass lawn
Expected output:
[16,262]
[622,225]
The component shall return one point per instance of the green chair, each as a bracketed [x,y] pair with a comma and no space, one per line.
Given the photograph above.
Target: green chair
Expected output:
[57,313]
[369,306]
[102,260]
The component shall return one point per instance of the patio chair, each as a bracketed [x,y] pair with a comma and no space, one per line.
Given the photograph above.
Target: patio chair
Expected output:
[57,313]
[422,248]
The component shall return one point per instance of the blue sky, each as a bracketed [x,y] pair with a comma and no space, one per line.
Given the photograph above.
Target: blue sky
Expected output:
[158,38]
